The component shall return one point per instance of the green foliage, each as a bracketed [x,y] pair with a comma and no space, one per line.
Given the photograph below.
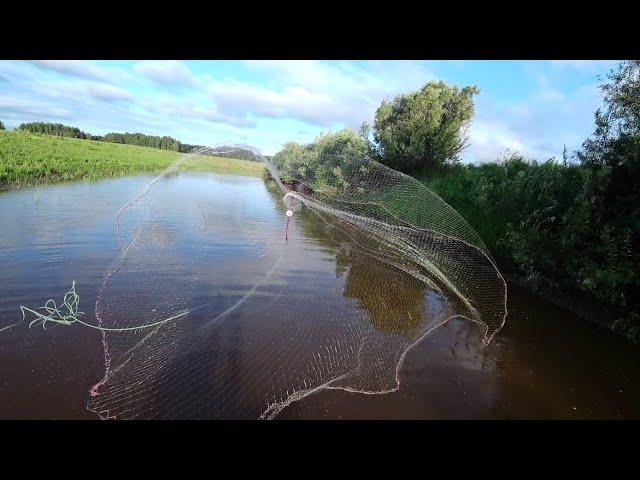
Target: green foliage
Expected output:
[546,221]
[324,164]
[422,131]
[27,158]
[2,126]
[622,95]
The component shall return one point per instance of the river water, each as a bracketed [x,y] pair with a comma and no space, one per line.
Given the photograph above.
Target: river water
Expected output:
[306,328]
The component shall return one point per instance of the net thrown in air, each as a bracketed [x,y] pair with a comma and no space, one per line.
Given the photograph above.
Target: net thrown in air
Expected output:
[246,337]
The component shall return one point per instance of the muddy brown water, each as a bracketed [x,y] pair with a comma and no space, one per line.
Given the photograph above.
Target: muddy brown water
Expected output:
[544,364]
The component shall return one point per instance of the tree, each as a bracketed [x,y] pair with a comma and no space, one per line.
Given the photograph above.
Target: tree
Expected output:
[622,96]
[2,126]
[424,130]
[609,207]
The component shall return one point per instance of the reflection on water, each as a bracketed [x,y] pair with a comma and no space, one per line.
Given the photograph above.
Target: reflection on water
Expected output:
[395,301]
[208,240]
[386,304]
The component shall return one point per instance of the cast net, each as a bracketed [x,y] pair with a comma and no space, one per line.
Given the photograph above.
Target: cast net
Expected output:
[228,302]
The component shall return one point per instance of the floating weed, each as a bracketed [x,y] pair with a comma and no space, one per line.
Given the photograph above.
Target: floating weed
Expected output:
[68,313]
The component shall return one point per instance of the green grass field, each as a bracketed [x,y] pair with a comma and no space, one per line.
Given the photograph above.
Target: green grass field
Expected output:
[29,158]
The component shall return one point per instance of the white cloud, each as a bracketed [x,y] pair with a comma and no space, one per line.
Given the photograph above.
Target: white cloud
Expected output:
[587,66]
[538,126]
[545,91]
[489,139]
[186,108]
[319,93]
[19,107]
[240,99]
[82,69]
[108,92]
[73,91]
[166,72]
[313,74]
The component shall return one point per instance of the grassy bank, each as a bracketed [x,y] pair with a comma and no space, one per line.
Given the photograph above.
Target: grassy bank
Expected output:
[548,226]
[29,158]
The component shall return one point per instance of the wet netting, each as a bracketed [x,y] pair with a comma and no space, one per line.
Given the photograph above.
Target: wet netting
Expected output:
[210,310]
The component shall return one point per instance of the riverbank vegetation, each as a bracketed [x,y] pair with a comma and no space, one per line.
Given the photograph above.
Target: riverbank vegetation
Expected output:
[569,229]
[27,158]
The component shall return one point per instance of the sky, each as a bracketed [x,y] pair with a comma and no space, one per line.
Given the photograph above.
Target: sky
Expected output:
[530,107]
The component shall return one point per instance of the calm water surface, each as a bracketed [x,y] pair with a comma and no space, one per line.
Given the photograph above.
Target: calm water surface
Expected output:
[269,318]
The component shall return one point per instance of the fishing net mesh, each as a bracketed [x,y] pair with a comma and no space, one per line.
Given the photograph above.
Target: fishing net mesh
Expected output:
[232,327]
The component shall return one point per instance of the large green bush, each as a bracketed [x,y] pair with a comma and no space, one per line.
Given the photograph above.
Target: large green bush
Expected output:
[553,225]
[324,164]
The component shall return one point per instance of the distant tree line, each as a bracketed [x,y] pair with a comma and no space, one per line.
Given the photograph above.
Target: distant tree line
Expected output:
[140,139]
[56,129]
